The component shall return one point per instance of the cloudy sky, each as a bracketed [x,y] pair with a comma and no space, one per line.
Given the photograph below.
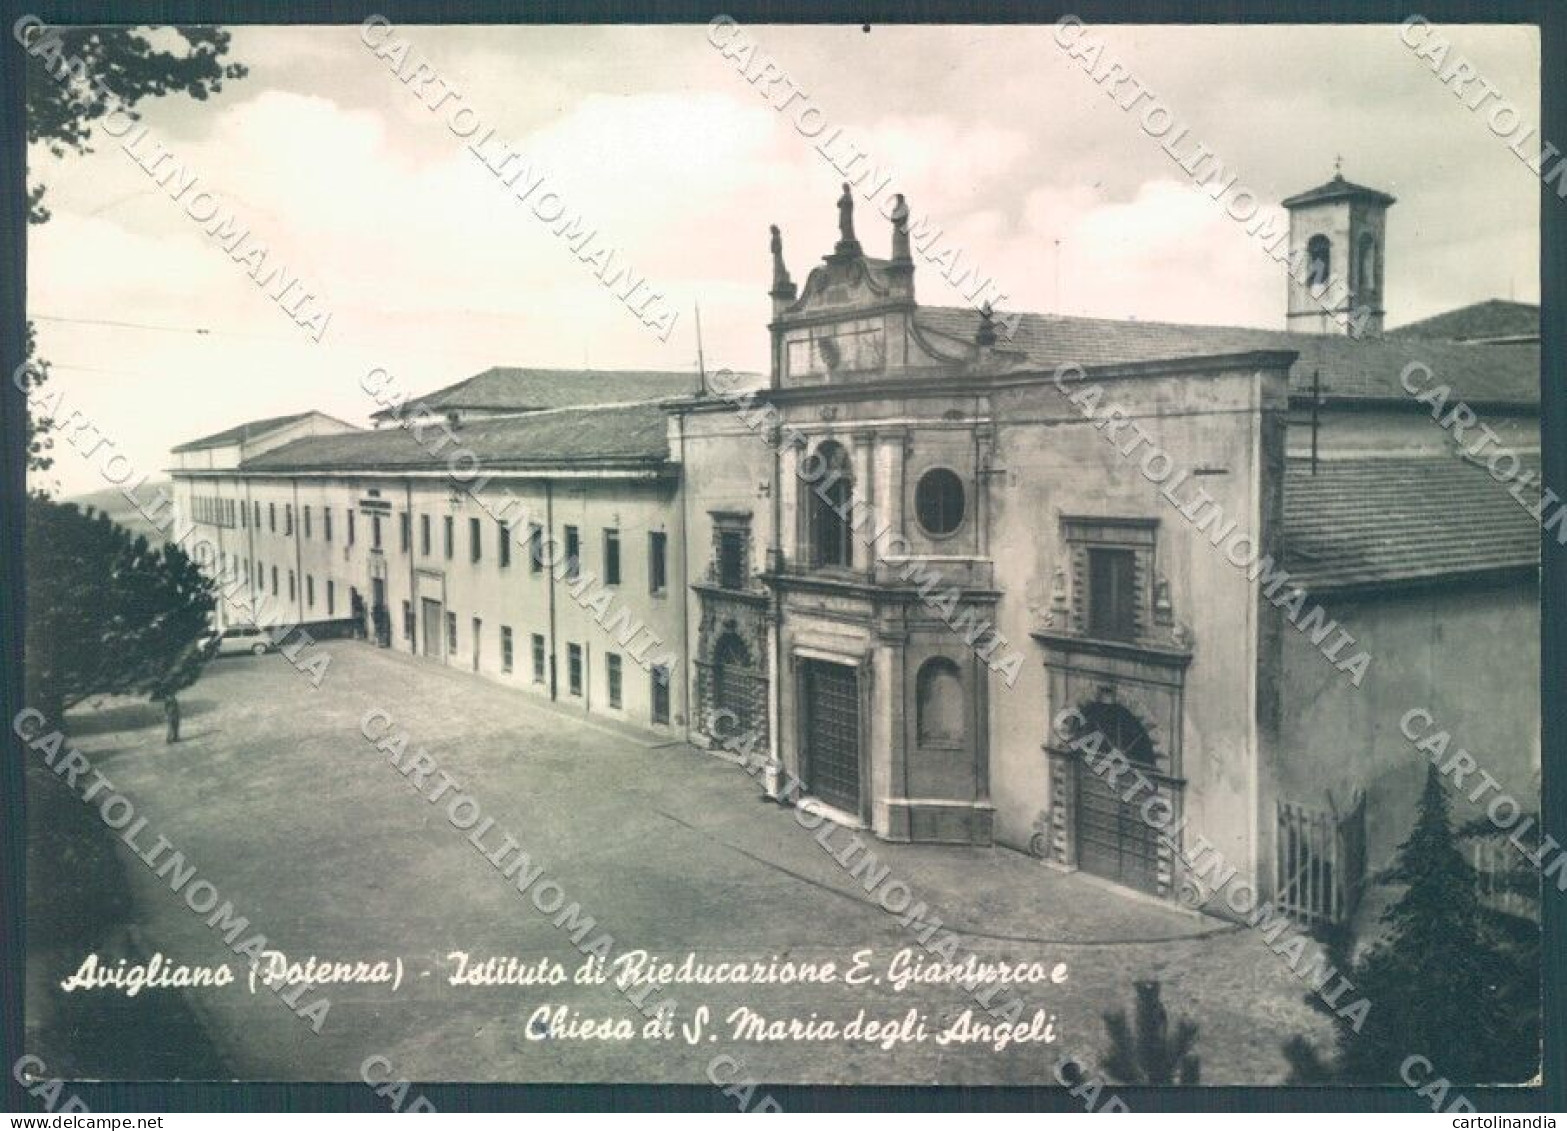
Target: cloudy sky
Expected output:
[432,270]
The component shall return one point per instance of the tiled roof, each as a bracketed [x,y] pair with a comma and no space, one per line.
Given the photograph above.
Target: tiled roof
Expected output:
[240,433]
[633,433]
[504,388]
[1337,189]
[1494,318]
[1369,522]
[1365,368]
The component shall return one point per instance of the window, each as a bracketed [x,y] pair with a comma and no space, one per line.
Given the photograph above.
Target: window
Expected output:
[731,559]
[938,501]
[261,575]
[404,532]
[657,562]
[506,649]
[1111,564]
[288,518]
[326,523]
[475,540]
[258,516]
[351,530]
[478,637]
[272,517]
[451,632]
[307,520]
[408,620]
[503,544]
[331,597]
[660,688]
[244,517]
[612,678]
[1368,264]
[449,535]
[424,535]
[1112,594]
[829,499]
[310,591]
[611,557]
[574,668]
[290,585]
[375,531]
[1319,257]
[535,547]
[573,553]
[538,658]
[274,581]
[939,703]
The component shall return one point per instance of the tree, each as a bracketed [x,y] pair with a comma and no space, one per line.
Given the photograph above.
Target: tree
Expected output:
[1443,982]
[76,76]
[106,613]
[1514,938]
[1146,1052]
[39,442]
[118,68]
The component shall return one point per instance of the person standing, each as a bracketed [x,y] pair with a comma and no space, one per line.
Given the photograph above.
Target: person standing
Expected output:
[171,718]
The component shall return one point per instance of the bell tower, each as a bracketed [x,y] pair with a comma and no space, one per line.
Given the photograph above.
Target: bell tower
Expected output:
[1338,234]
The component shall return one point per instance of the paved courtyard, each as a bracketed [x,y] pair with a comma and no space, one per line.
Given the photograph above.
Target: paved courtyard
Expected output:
[281,803]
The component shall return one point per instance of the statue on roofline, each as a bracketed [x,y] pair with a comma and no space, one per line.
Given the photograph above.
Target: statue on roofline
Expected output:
[846,215]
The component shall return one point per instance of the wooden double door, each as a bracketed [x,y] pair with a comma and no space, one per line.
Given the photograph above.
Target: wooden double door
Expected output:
[830,702]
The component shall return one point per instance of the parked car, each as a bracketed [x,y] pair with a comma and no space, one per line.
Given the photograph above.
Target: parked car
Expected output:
[239,638]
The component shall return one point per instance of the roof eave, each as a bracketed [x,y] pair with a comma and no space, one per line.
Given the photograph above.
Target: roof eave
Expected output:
[1447,580]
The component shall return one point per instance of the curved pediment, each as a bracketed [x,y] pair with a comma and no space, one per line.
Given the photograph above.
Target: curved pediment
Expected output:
[847,283]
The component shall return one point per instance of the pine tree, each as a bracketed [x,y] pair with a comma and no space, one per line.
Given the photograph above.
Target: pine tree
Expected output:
[1436,980]
[1151,1054]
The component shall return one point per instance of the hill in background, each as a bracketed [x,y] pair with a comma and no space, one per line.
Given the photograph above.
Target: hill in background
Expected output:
[122,511]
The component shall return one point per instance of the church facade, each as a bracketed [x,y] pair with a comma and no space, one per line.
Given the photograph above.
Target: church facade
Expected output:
[1115,594]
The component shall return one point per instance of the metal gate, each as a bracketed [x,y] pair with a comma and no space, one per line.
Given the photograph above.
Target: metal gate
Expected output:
[832,733]
[1113,839]
[1321,862]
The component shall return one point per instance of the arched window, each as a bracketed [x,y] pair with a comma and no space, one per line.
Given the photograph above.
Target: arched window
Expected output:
[1368,264]
[829,499]
[939,703]
[1120,729]
[938,501]
[1319,257]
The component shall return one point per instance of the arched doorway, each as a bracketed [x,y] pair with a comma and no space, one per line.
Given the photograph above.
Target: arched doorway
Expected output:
[1114,840]
[734,682]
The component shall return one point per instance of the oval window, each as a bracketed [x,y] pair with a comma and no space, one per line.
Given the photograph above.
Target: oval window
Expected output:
[939,501]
